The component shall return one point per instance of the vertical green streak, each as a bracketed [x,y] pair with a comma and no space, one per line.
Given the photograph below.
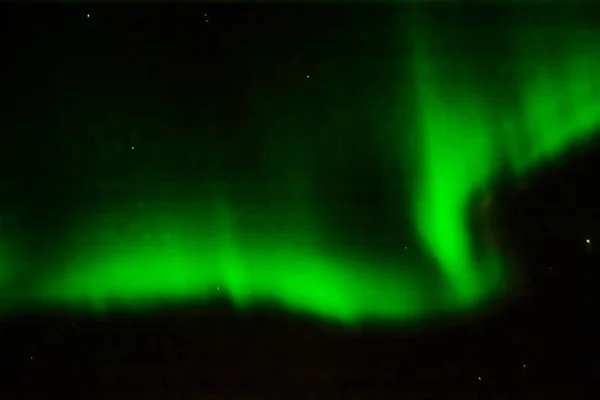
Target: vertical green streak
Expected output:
[462,150]
[457,157]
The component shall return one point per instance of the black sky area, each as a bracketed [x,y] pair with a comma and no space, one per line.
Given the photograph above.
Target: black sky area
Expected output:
[167,62]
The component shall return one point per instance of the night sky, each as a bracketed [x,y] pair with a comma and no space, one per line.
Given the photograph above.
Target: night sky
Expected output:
[391,201]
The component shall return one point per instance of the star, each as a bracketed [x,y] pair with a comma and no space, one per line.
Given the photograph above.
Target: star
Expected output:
[307,76]
[132,148]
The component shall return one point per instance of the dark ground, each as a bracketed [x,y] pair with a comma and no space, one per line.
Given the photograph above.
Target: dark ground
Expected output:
[542,345]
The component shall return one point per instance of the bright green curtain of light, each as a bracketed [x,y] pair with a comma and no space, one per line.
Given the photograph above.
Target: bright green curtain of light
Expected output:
[467,135]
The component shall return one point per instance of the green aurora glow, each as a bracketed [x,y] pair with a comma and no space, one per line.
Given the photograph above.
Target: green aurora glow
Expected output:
[474,122]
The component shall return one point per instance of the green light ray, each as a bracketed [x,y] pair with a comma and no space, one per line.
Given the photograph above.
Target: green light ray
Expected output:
[462,153]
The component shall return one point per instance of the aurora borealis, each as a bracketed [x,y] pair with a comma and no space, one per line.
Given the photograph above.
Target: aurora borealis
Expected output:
[517,98]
